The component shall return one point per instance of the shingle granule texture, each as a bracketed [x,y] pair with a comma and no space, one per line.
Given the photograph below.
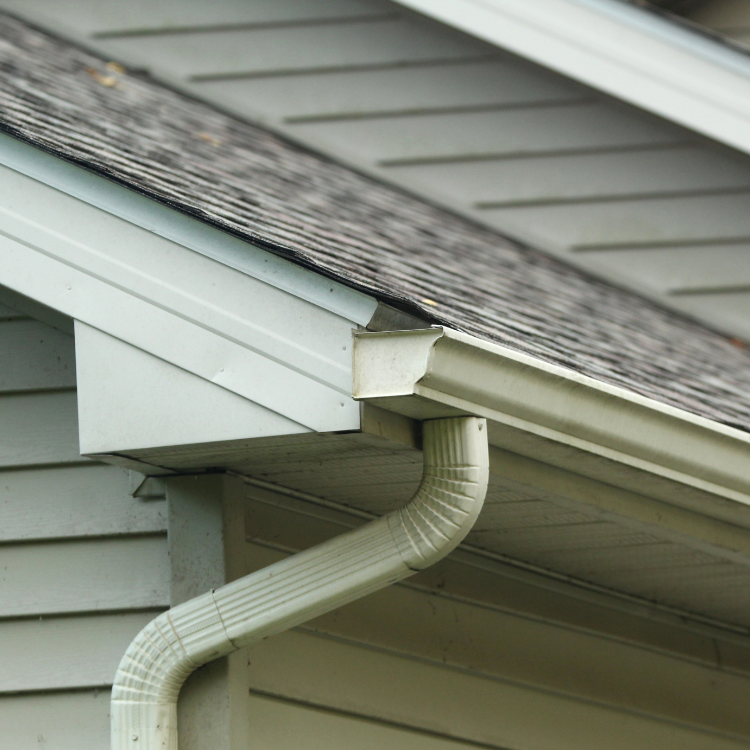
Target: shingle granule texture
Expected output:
[256,185]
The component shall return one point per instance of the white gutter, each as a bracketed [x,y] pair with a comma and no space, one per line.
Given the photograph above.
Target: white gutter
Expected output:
[165,652]
[559,417]
[620,49]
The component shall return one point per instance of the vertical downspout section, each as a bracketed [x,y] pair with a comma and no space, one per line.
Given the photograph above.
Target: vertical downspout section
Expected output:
[290,592]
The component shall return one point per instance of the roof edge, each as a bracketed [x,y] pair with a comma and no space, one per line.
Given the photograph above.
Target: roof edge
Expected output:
[147,212]
[623,50]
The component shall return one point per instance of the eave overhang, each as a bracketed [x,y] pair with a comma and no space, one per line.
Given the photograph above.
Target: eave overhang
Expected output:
[634,55]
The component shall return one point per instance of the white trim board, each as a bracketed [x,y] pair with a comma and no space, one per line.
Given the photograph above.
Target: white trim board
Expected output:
[271,332]
[620,49]
[163,406]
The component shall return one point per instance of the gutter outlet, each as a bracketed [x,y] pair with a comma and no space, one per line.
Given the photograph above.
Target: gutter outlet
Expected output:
[301,587]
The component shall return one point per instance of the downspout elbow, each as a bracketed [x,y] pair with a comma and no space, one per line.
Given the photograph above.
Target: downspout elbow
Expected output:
[301,587]
[450,495]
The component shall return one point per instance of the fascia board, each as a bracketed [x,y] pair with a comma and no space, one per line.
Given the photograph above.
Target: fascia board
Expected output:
[634,55]
[171,337]
[550,413]
[278,336]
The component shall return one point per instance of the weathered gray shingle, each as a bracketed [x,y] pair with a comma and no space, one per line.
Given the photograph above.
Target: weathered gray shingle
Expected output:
[256,185]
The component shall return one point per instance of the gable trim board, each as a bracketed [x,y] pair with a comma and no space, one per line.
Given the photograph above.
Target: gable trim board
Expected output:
[623,50]
[169,223]
[267,330]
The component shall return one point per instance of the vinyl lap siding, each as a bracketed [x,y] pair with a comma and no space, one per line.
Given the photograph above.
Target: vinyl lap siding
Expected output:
[83,565]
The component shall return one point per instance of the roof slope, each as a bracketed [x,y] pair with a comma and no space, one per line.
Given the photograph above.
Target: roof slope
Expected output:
[247,181]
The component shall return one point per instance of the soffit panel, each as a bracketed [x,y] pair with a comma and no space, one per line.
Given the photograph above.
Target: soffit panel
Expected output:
[554,522]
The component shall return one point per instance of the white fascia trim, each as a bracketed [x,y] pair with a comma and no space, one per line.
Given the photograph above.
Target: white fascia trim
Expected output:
[560,413]
[620,49]
[192,234]
[294,590]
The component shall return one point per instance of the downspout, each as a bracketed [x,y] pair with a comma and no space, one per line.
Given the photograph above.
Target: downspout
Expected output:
[301,587]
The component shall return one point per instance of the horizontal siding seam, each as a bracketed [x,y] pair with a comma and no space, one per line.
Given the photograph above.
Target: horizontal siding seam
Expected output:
[55,691]
[489,156]
[83,461]
[38,389]
[78,538]
[586,247]
[350,68]
[249,26]
[644,195]
[71,615]
[430,111]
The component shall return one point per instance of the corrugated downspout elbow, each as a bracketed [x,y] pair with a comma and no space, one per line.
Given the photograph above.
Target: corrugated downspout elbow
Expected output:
[168,649]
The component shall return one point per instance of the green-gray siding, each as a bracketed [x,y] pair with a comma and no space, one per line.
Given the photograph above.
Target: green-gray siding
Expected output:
[83,565]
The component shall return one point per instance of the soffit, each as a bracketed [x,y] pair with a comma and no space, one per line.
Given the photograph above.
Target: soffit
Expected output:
[531,520]
[516,147]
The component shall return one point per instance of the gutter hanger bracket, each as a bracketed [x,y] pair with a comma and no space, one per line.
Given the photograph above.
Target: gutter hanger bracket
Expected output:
[301,587]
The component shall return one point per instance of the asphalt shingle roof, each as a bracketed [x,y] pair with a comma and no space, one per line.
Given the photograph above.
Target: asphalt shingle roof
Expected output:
[256,185]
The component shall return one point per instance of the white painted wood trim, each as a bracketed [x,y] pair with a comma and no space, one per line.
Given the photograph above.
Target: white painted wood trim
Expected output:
[622,50]
[83,275]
